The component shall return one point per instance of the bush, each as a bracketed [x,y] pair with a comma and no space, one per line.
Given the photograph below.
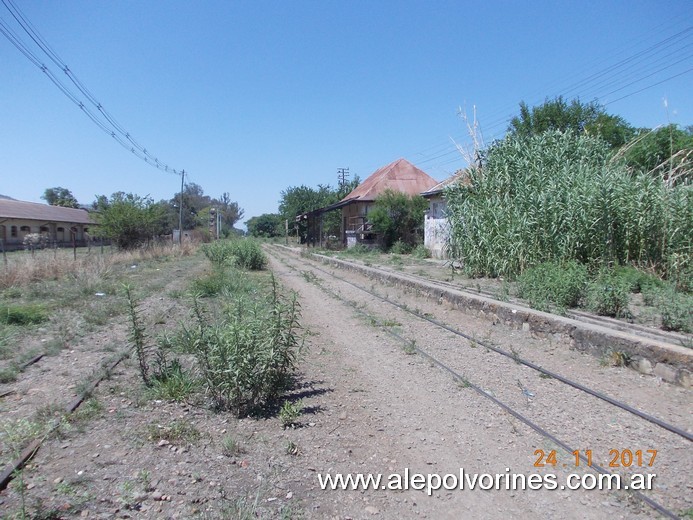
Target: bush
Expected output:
[421,252]
[552,284]
[398,217]
[219,253]
[249,254]
[243,253]
[609,294]
[675,309]
[401,248]
[246,359]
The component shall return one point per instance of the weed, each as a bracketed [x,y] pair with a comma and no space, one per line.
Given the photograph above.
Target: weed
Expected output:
[241,509]
[608,294]
[614,358]
[553,285]
[145,478]
[22,314]
[230,447]
[8,374]
[245,359]
[179,430]
[292,449]
[90,409]
[421,252]
[410,347]
[138,335]
[401,248]
[249,254]
[675,309]
[290,413]
[172,382]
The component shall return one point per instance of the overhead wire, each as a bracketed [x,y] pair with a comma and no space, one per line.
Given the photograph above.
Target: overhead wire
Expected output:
[635,68]
[110,126]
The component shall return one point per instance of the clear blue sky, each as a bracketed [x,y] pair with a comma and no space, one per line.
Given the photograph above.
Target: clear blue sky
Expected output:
[251,97]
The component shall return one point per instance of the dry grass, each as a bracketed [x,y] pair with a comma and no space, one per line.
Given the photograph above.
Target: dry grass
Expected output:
[23,268]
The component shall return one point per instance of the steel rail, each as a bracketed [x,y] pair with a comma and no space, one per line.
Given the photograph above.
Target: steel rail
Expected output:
[544,433]
[578,386]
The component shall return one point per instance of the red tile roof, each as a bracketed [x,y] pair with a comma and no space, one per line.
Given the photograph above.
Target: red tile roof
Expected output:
[400,175]
[18,209]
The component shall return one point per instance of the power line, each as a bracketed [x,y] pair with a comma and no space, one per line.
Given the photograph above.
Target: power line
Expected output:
[632,69]
[103,119]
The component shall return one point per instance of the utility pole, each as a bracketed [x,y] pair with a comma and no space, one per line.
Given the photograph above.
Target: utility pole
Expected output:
[180,209]
[342,176]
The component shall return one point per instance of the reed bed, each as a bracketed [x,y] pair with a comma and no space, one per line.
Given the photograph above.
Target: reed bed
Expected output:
[557,198]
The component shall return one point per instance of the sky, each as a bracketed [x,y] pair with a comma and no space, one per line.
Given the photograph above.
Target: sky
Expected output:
[251,97]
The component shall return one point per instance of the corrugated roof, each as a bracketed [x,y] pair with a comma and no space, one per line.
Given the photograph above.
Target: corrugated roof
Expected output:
[400,175]
[19,209]
[459,176]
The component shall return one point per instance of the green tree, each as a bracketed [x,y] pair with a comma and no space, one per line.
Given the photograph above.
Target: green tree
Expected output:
[230,211]
[666,152]
[60,197]
[266,225]
[398,216]
[127,219]
[302,199]
[575,117]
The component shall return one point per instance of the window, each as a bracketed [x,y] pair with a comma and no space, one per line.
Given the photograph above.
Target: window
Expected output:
[13,231]
[43,229]
[26,229]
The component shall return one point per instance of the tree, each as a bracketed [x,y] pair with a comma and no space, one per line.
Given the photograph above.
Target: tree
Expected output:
[398,216]
[574,117]
[302,199]
[666,152]
[127,219]
[230,211]
[60,197]
[266,225]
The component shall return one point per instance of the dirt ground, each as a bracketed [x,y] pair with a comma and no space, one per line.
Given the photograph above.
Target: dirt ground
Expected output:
[369,406]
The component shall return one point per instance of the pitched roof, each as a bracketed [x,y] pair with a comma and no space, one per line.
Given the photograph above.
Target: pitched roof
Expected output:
[400,175]
[19,209]
[459,176]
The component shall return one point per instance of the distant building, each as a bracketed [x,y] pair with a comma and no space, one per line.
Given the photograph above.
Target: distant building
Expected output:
[57,225]
[400,176]
[437,225]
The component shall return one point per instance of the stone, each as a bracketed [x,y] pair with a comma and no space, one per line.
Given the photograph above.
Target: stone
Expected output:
[643,365]
[666,372]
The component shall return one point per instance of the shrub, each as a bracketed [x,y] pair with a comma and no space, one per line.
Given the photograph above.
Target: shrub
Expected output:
[245,360]
[249,254]
[173,383]
[219,253]
[608,294]
[398,217]
[552,284]
[401,248]
[675,309]
[421,252]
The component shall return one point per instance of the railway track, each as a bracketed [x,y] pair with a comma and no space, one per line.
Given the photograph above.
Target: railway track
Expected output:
[668,337]
[539,401]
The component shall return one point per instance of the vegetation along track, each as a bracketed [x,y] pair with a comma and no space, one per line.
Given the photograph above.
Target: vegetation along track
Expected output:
[526,383]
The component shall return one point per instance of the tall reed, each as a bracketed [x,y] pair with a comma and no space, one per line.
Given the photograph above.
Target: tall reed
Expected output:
[556,197]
